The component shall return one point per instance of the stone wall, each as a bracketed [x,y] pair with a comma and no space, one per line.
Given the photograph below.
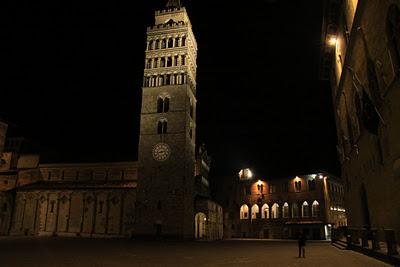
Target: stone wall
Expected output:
[6,206]
[74,212]
[3,132]
[370,161]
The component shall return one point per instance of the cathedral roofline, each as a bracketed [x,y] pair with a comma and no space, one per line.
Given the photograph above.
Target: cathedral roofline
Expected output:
[71,185]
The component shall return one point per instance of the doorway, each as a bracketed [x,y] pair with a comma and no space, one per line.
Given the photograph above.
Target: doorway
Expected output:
[200,225]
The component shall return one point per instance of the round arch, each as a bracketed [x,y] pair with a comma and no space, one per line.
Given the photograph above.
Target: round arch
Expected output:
[200,225]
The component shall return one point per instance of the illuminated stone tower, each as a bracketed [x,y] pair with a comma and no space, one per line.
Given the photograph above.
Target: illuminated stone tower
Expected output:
[165,195]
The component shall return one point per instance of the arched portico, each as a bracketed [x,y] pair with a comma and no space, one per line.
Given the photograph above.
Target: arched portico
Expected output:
[200,225]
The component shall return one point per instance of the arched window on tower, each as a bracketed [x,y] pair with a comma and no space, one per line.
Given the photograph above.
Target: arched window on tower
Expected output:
[166,104]
[146,81]
[151,43]
[161,81]
[157,44]
[244,212]
[162,62]
[183,41]
[163,43]
[168,79]
[162,126]
[315,209]
[162,104]
[170,42]
[254,211]
[169,61]
[265,212]
[155,63]
[148,64]
[175,60]
[177,42]
[393,34]
[183,60]
[305,210]
[153,81]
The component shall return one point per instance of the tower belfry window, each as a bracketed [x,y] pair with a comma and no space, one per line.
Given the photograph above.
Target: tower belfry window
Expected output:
[170,43]
[162,127]
[169,61]
[166,104]
[183,41]
[162,104]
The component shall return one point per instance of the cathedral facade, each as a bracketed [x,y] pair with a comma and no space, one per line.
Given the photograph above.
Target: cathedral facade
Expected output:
[164,194]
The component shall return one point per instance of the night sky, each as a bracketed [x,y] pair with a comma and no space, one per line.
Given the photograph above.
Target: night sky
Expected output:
[73,75]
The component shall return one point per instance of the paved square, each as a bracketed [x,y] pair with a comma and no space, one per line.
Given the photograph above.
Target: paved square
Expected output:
[63,252]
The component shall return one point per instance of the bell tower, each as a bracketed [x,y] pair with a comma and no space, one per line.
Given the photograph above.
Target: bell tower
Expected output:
[165,192]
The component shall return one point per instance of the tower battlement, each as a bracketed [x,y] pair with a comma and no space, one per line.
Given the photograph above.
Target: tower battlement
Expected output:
[170,10]
[178,14]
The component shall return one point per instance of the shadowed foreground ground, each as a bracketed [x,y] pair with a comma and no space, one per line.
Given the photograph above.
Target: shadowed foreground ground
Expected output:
[60,252]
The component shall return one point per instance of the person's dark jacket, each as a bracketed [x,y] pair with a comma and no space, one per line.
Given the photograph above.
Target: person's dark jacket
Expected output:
[302,240]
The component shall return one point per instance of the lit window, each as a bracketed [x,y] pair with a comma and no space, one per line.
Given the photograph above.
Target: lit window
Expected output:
[297,186]
[315,209]
[244,212]
[265,212]
[275,211]
[285,210]
[305,212]
[254,211]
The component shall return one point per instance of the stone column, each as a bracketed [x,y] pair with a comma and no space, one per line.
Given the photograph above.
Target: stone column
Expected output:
[375,240]
[364,238]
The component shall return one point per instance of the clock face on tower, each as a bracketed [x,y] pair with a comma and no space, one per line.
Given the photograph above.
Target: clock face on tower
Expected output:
[161,151]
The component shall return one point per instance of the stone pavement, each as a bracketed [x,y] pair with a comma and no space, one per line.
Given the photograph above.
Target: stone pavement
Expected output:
[64,252]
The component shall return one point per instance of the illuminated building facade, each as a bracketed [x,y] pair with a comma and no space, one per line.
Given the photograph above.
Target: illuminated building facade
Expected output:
[361,57]
[280,208]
